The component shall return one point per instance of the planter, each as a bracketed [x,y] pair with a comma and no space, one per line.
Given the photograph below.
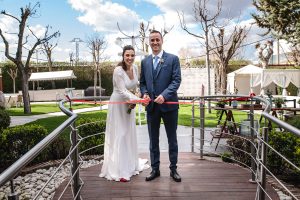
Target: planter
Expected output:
[245,106]
[248,106]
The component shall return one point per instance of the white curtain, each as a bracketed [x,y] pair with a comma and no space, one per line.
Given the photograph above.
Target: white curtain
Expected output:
[282,78]
[295,79]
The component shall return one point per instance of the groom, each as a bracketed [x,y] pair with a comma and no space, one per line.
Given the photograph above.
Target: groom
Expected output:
[160,79]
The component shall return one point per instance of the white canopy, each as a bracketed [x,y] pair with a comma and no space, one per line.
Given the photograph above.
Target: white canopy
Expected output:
[240,79]
[281,77]
[48,76]
[255,79]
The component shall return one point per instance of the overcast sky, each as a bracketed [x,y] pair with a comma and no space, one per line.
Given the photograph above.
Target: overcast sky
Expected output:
[83,18]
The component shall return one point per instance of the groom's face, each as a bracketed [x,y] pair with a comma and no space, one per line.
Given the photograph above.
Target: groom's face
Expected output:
[156,42]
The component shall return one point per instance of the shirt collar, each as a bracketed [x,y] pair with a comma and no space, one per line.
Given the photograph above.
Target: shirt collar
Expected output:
[159,55]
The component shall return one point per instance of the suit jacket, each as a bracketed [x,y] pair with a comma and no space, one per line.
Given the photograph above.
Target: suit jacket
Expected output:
[165,80]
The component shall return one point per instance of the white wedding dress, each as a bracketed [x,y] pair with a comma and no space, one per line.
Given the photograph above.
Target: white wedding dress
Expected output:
[120,148]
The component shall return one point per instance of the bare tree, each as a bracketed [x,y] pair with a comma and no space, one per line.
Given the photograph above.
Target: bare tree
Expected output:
[143,36]
[47,49]
[207,21]
[23,67]
[264,51]
[225,48]
[13,73]
[97,45]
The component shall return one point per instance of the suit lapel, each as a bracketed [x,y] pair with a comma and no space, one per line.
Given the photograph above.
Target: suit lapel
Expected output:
[160,65]
[150,68]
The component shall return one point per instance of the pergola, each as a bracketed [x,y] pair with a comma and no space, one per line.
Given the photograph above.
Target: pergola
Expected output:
[50,76]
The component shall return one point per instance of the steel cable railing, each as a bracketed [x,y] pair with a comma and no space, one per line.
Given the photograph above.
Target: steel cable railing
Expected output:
[259,146]
[257,143]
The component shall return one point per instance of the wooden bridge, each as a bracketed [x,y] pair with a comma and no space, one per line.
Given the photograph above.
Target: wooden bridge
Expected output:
[201,179]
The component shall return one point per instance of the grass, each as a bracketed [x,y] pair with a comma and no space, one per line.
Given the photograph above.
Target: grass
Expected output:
[52,123]
[38,109]
[185,115]
[211,119]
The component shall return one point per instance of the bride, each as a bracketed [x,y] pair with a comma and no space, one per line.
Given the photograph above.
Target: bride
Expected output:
[121,159]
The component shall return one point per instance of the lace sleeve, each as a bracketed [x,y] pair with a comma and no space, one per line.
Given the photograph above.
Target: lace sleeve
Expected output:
[119,81]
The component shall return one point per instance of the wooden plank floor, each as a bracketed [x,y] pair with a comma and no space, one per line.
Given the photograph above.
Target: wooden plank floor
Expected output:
[201,179]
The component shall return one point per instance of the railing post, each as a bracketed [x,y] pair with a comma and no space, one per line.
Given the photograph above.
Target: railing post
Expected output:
[75,164]
[253,153]
[202,115]
[193,127]
[12,195]
[264,161]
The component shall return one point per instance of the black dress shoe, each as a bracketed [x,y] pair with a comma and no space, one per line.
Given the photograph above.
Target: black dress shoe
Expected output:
[176,177]
[153,175]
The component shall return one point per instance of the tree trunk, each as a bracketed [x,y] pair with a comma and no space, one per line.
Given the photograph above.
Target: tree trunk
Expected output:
[95,82]
[100,87]
[223,76]
[217,78]
[14,84]
[25,92]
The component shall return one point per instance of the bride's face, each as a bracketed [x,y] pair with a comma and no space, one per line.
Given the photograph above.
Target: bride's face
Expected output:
[129,56]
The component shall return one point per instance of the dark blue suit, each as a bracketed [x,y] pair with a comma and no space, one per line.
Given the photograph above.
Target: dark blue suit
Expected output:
[165,81]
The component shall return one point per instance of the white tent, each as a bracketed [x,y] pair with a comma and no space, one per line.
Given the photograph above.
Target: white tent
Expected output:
[56,75]
[280,77]
[243,80]
[255,79]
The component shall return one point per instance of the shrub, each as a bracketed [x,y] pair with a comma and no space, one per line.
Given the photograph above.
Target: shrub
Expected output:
[226,157]
[93,127]
[4,119]
[289,146]
[294,121]
[16,141]
[238,155]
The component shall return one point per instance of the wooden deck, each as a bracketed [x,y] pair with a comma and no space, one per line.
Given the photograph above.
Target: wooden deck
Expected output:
[201,179]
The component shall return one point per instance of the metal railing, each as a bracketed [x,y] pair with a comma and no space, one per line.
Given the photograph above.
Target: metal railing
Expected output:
[258,143]
[258,154]
[73,157]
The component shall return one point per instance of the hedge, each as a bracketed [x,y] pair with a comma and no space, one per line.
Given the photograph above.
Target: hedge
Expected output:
[16,141]
[4,119]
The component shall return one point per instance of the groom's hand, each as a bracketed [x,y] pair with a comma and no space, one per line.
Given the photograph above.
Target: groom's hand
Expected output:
[160,99]
[147,98]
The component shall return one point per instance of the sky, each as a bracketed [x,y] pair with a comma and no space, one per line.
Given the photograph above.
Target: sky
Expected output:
[85,18]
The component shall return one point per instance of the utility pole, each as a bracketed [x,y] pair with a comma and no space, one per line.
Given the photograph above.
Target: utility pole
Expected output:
[77,40]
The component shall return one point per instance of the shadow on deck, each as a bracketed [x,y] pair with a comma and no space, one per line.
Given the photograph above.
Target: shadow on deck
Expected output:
[201,179]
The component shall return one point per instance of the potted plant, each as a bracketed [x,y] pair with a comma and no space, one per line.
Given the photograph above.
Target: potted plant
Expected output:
[269,94]
[221,103]
[278,102]
[298,102]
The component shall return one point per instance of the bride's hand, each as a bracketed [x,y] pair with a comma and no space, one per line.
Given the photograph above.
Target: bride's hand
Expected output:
[146,100]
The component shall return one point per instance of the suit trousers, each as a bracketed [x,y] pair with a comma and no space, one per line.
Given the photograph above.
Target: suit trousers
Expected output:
[170,120]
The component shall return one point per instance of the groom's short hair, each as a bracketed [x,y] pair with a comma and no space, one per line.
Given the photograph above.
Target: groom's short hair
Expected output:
[155,31]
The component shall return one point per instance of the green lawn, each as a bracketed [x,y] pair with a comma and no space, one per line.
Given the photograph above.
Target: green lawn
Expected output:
[185,115]
[38,109]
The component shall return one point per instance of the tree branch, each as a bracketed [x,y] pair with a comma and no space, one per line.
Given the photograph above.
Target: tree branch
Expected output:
[9,15]
[7,48]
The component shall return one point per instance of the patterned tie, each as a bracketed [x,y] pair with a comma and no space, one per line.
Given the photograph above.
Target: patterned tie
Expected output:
[155,62]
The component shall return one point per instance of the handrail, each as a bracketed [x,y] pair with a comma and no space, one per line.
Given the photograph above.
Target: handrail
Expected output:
[15,168]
